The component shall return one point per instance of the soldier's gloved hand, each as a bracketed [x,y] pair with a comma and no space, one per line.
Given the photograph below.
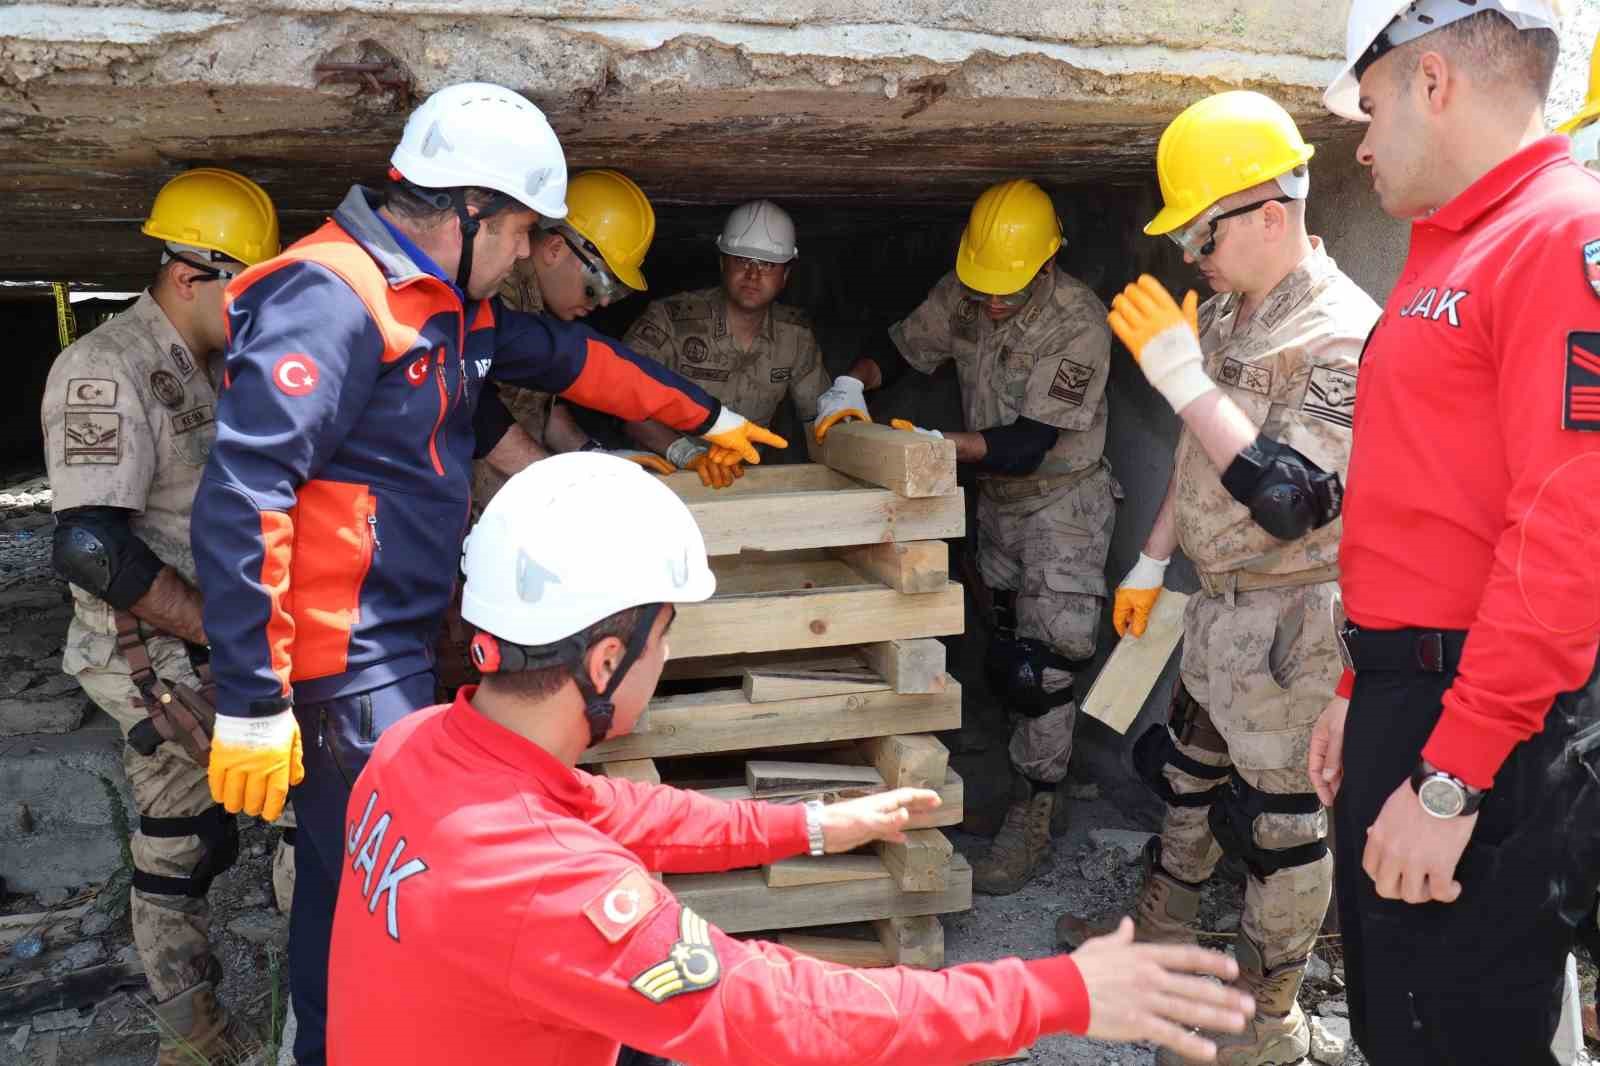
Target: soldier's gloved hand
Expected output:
[254,761]
[846,399]
[1163,339]
[649,460]
[1137,595]
[911,427]
[687,454]
[734,438]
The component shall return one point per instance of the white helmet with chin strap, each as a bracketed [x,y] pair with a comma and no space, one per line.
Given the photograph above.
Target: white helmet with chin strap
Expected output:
[475,134]
[760,230]
[1377,27]
[567,542]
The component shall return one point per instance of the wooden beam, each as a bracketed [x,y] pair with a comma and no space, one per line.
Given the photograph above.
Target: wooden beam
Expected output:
[922,863]
[951,809]
[709,666]
[816,619]
[1124,683]
[845,951]
[770,686]
[917,566]
[823,870]
[767,778]
[915,941]
[909,464]
[748,572]
[740,901]
[706,722]
[917,761]
[847,512]
[910,665]
[641,770]
[763,481]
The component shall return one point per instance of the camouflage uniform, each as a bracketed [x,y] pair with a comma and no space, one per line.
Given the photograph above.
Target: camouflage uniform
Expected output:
[689,333]
[1044,536]
[530,408]
[128,418]
[1259,654]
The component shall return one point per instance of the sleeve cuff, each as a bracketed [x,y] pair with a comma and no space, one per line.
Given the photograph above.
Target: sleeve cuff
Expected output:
[786,827]
[1463,747]
[1346,685]
[1062,996]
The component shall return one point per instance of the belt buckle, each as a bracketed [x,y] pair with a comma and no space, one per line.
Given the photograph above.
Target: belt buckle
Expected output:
[1430,652]
[1343,634]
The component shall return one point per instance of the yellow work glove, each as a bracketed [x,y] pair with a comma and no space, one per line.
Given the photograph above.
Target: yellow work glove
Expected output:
[713,474]
[1163,338]
[733,438]
[1137,595]
[845,400]
[912,427]
[649,460]
[254,761]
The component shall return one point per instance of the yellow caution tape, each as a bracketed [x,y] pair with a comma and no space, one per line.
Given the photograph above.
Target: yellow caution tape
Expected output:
[66,321]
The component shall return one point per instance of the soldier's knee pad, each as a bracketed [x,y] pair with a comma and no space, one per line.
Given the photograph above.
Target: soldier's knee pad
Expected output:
[219,850]
[1014,668]
[1233,818]
[1157,749]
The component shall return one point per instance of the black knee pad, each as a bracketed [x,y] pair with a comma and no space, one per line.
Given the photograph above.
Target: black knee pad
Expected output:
[1233,818]
[1155,750]
[219,841]
[1014,668]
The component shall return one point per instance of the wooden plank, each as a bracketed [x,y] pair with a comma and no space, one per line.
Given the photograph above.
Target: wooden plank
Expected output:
[770,777]
[711,666]
[1135,665]
[641,770]
[917,761]
[706,722]
[951,809]
[921,863]
[770,686]
[813,619]
[915,941]
[823,870]
[910,665]
[846,951]
[909,464]
[831,518]
[763,481]
[918,566]
[740,901]
[747,572]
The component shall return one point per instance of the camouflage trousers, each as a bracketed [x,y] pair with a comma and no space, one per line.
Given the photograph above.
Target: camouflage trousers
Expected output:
[171,932]
[1050,549]
[1262,666]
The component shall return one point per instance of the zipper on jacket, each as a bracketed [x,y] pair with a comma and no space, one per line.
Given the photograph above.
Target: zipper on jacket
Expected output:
[372,527]
[444,408]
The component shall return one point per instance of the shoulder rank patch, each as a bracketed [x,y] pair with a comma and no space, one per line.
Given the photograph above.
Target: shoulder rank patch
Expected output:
[652,334]
[91,392]
[182,360]
[1071,382]
[1256,379]
[93,437]
[1591,265]
[626,902]
[1331,396]
[1580,406]
[691,964]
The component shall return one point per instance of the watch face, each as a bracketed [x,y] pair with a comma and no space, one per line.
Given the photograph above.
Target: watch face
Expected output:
[1441,798]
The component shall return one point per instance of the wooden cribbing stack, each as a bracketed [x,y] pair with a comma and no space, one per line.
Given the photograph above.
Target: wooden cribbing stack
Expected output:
[813,672]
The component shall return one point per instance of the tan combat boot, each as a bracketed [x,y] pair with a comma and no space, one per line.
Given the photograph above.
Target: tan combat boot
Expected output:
[1019,847]
[1278,1034]
[1165,912]
[196,1030]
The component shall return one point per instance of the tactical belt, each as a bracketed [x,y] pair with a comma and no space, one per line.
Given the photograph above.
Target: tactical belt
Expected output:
[1023,488]
[176,712]
[1228,582]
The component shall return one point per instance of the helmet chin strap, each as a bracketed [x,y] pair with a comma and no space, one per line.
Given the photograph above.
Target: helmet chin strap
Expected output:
[598,709]
[469,230]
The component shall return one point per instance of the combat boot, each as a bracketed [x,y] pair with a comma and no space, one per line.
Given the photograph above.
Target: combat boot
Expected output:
[1019,847]
[196,1029]
[1278,1034]
[1165,912]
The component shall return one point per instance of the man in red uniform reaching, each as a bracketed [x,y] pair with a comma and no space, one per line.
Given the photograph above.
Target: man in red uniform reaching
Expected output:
[497,904]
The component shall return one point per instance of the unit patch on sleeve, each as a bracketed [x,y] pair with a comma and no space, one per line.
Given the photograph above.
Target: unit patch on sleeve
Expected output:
[1256,379]
[93,437]
[91,392]
[1580,405]
[691,964]
[626,902]
[1331,396]
[1591,265]
[166,387]
[695,350]
[1071,382]
[652,335]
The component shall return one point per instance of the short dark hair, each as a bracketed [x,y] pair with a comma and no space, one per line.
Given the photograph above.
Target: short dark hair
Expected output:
[407,202]
[1490,45]
[546,682]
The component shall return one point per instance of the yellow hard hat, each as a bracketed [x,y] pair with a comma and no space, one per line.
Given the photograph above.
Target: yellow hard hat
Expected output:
[217,210]
[1012,230]
[614,215]
[1591,104]
[1222,145]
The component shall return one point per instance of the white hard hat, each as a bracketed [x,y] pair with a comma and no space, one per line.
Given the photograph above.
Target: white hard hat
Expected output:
[576,538]
[760,230]
[475,133]
[1378,26]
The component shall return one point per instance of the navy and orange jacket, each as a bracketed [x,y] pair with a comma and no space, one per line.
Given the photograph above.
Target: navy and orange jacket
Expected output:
[327,528]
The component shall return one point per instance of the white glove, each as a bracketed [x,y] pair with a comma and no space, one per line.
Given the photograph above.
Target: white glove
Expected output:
[1137,595]
[845,399]
[683,451]
[911,427]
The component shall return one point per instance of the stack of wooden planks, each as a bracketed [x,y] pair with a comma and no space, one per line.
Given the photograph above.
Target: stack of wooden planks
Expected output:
[813,672]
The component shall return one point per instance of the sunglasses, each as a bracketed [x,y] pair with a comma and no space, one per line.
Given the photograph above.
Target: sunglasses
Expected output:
[1199,238]
[598,284]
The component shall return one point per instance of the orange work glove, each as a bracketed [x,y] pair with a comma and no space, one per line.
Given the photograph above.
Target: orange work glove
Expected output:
[649,460]
[254,761]
[1163,339]
[845,400]
[1137,595]
[733,438]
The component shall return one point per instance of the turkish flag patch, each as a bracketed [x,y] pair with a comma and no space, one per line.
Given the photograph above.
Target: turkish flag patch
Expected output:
[626,902]
[1580,403]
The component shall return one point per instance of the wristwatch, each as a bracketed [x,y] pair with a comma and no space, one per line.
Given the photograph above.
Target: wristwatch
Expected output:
[814,827]
[1444,795]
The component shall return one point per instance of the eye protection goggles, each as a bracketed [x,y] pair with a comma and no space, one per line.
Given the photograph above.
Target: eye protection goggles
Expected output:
[1199,238]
